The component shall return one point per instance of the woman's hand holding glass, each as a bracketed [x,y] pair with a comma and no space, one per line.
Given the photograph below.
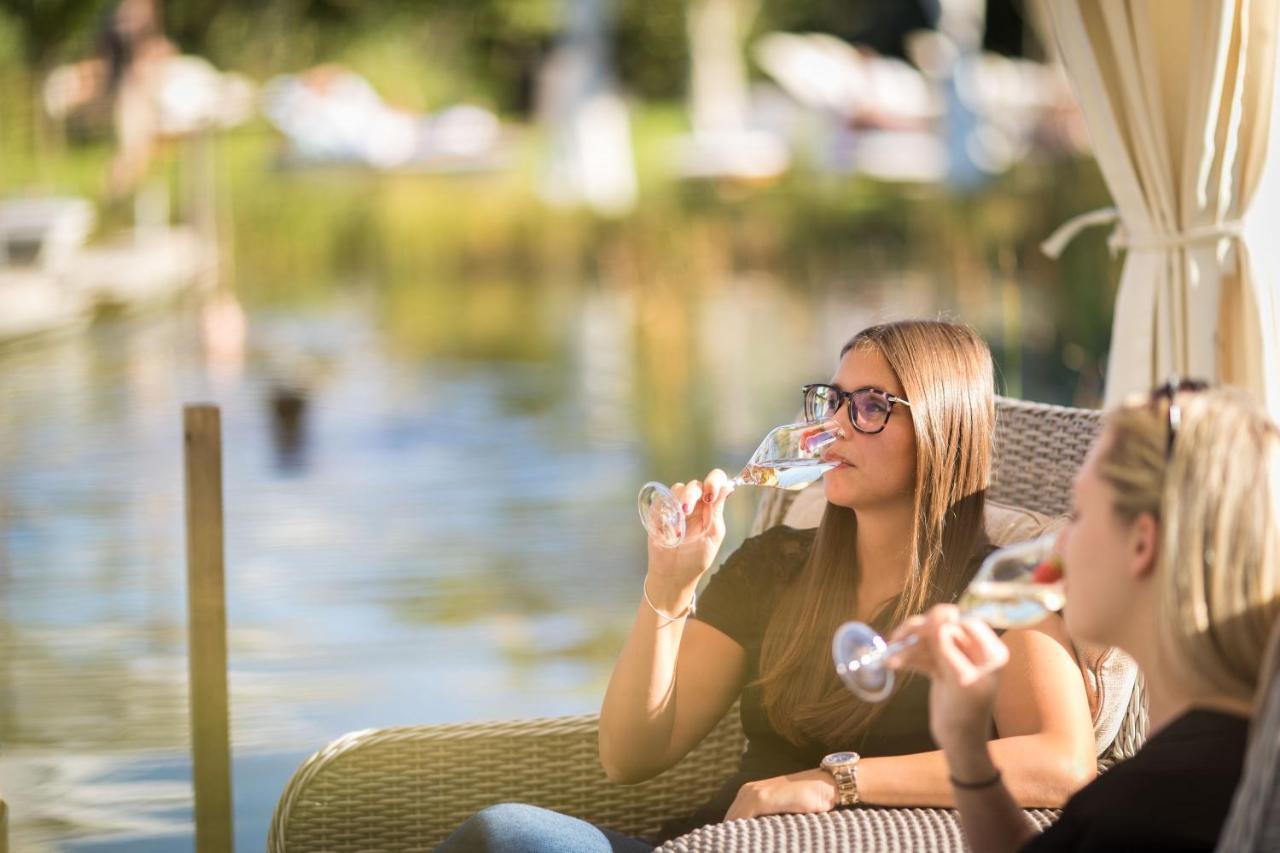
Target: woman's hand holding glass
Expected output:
[790,457]
[673,571]
[1015,587]
[962,658]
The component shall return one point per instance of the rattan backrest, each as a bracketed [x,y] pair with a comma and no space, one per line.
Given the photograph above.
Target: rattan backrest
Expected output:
[1038,450]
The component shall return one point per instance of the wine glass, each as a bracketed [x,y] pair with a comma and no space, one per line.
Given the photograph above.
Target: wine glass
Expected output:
[790,457]
[1015,587]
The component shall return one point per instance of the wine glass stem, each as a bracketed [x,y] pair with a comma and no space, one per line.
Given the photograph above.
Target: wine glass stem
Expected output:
[877,656]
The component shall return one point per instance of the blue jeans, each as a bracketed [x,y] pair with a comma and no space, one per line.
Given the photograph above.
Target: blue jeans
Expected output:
[517,828]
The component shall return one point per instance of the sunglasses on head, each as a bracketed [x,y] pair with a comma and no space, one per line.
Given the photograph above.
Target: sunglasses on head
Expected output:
[1169,391]
[869,408]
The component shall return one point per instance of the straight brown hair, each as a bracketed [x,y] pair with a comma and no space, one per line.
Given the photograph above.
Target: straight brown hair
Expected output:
[946,372]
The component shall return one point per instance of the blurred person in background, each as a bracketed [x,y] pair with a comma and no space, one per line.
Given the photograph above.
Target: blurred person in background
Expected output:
[134,48]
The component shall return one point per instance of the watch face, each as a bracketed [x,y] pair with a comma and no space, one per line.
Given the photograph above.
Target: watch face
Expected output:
[841,757]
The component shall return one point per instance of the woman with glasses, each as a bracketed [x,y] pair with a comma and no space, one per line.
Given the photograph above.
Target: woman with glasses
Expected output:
[1172,554]
[903,530]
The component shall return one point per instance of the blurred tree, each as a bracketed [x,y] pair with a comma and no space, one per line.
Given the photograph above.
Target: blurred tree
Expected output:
[45,27]
[879,24]
[652,47]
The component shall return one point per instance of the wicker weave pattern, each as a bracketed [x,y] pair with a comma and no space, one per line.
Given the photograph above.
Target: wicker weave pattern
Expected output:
[1133,731]
[1038,450]
[408,787]
[846,830]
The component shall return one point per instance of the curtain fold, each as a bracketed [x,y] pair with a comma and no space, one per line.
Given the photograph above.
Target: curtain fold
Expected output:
[1177,96]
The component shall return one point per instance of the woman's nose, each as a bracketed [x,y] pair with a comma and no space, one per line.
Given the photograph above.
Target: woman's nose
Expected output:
[844,417]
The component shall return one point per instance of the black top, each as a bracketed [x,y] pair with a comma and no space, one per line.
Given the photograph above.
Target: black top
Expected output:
[738,601]
[1173,795]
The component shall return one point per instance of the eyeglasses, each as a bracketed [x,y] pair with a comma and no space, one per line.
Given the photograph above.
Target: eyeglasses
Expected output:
[1170,391]
[869,408]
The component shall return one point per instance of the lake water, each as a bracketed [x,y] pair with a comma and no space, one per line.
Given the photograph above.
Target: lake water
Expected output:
[414,533]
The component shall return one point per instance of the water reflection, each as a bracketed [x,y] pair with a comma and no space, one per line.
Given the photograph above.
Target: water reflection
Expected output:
[430,512]
[288,406]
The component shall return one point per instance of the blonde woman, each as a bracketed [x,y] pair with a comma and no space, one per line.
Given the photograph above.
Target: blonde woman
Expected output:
[1172,554]
[902,530]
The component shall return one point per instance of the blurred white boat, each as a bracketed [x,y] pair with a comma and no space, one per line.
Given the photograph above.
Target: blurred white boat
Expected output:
[38,239]
[51,281]
[949,116]
[330,115]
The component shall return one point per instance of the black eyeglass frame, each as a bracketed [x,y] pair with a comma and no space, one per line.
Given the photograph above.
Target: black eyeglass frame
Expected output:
[1173,414]
[846,397]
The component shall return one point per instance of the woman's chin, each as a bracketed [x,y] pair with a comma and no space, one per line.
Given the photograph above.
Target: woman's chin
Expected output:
[843,487]
[840,493]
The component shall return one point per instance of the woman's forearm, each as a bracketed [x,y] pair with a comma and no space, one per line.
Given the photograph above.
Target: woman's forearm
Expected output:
[637,716]
[1038,772]
[992,820]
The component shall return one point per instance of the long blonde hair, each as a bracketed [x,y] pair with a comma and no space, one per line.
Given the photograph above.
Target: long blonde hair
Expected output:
[1216,494]
[946,372]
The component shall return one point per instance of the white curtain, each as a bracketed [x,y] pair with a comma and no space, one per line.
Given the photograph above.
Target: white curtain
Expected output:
[1177,95]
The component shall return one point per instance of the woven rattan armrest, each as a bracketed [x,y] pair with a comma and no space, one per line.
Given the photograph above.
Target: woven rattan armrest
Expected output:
[859,830]
[407,788]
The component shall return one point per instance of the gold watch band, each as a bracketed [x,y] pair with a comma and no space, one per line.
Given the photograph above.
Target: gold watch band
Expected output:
[843,767]
[846,777]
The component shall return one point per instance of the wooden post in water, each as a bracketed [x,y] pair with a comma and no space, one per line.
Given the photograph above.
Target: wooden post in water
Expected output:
[207,630]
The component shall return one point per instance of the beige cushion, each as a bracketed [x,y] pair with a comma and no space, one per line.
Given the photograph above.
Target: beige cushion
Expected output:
[1108,673]
[1005,524]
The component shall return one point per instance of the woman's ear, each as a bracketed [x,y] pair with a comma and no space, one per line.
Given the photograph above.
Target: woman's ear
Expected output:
[1144,545]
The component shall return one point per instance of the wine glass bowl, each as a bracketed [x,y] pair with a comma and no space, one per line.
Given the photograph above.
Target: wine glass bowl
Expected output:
[661,514]
[790,457]
[857,649]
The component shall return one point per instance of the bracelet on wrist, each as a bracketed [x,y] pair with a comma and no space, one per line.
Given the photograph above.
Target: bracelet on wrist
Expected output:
[976,786]
[667,618]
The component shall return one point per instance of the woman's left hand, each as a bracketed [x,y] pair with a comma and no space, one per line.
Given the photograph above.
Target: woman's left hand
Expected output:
[807,792]
[963,659]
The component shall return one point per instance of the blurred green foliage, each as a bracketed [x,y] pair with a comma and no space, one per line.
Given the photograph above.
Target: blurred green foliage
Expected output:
[419,53]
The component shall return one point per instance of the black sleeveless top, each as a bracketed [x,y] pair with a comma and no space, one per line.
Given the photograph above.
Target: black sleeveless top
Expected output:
[1173,795]
[739,601]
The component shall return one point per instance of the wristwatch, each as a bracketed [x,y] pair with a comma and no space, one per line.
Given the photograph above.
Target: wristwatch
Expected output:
[843,767]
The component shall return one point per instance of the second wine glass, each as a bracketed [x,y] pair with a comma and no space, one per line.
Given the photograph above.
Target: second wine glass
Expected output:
[790,457]
[1015,587]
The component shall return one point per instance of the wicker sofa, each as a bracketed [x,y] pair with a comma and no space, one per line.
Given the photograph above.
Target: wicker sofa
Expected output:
[406,788]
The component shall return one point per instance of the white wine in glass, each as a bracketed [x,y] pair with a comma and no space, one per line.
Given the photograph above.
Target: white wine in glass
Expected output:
[790,457]
[1015,587]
